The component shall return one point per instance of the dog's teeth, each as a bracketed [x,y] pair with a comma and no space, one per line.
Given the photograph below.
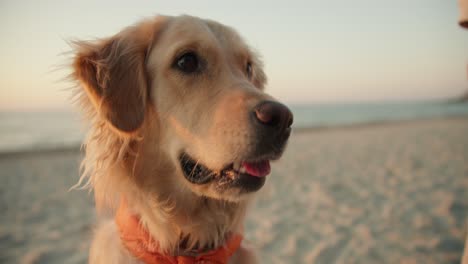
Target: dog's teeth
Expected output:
[242,170]
[236,166]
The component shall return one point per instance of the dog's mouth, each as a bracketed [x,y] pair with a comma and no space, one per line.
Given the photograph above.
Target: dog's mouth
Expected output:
[249,176]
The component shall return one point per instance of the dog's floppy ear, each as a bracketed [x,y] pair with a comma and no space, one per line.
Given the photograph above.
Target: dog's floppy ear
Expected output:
[113,73]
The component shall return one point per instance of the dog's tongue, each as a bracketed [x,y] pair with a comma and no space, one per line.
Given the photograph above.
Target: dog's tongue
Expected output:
[257,169]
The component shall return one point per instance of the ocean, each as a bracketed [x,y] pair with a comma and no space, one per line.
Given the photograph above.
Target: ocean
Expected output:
[46,130]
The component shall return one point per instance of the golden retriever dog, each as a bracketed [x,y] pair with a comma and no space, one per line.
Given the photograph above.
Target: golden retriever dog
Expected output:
[181,134]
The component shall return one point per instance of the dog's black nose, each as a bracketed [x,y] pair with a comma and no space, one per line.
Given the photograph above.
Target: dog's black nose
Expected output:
[273,115]
[272,122]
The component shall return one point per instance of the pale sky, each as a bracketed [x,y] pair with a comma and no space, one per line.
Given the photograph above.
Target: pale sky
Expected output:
[314,51]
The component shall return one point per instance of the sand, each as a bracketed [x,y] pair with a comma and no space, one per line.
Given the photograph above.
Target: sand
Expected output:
[386,193]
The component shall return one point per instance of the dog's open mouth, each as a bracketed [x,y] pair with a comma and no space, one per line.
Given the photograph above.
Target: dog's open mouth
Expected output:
[247,175]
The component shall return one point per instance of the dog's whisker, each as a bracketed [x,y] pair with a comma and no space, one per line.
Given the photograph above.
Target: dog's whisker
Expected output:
[194,168]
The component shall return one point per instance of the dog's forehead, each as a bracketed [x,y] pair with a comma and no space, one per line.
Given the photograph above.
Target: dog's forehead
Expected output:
[208,32]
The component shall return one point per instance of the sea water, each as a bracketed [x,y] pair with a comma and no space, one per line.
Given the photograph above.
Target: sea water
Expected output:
[45,130]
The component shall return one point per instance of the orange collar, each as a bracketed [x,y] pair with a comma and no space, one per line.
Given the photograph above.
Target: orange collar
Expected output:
[142,246]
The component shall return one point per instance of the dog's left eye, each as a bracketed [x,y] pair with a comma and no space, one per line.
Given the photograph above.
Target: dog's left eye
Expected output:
[248,69]
[187,63]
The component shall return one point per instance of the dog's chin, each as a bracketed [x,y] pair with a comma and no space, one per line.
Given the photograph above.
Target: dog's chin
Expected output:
[233,182]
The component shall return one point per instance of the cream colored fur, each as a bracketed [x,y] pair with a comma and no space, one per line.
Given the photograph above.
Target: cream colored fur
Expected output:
[142,113]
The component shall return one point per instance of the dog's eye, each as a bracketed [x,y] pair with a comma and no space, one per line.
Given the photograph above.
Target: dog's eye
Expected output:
[248,69]
[187,63]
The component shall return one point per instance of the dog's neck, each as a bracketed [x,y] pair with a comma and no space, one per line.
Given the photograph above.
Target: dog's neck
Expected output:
[136,239]
[202,224]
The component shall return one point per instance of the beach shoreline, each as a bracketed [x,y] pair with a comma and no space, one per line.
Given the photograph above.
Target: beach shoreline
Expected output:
[73,148]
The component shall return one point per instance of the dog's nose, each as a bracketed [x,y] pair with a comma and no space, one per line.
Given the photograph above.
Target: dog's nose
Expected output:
[274,115]
[272,122]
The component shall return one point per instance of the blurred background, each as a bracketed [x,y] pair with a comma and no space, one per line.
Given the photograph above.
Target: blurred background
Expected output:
[377,167]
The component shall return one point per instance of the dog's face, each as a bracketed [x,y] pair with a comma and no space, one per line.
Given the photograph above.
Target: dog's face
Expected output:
[214,123]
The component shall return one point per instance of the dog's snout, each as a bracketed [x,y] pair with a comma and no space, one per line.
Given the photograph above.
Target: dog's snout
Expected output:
[274,115]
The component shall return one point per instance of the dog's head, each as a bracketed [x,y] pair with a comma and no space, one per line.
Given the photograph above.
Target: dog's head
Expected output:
[190,93]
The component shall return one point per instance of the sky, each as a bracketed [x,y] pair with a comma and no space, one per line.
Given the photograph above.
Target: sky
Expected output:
[314,51]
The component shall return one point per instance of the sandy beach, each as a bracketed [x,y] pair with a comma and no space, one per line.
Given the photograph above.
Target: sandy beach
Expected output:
[383,193]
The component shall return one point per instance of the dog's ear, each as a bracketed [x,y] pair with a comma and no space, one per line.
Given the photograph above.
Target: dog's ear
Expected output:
[113,74]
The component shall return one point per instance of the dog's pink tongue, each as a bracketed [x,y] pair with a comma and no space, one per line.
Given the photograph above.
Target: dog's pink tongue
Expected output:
[258,169]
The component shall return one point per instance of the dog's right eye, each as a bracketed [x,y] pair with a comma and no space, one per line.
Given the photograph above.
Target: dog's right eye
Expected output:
[187,63]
